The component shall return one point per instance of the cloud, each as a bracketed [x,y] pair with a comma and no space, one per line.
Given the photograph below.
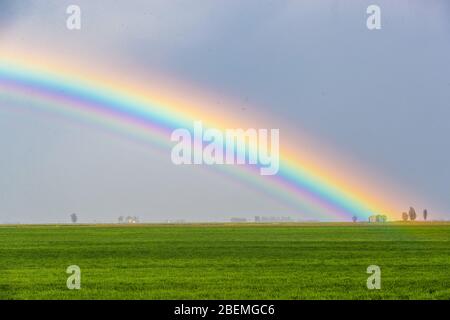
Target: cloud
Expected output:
[11,11]
[6,11]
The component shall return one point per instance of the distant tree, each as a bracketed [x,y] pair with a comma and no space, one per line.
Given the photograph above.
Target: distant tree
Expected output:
[380,218]
[121,219]
[73,218]
[425,214]
[412,214]
[354,218]
[129,219]
[405,216]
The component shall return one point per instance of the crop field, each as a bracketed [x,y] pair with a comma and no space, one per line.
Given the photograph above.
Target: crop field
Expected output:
[226,261]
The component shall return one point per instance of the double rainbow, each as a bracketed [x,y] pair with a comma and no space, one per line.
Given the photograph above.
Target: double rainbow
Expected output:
[144,115]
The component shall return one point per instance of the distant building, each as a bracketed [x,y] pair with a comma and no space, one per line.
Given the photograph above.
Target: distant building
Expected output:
[238,220]
[273,219]
[177,221]
[378,218]
[132,220]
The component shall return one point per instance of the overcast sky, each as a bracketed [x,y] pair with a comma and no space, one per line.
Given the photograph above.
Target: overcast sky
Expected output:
[382,97]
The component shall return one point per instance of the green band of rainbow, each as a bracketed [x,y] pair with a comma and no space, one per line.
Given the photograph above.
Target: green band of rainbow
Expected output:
[141,117]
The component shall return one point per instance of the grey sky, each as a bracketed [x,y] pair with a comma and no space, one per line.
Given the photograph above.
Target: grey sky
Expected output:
[382,97]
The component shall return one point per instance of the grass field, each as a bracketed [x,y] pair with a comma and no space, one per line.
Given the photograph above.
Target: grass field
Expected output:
[297,261]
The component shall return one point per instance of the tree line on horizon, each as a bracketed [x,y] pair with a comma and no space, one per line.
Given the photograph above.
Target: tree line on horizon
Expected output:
[411,215]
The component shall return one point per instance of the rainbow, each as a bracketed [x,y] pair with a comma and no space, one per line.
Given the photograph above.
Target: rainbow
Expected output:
[143,115]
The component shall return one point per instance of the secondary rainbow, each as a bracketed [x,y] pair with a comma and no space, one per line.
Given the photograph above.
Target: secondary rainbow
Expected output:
[138,114]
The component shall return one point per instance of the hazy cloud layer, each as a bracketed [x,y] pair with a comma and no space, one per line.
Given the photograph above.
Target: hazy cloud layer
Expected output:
[380,97]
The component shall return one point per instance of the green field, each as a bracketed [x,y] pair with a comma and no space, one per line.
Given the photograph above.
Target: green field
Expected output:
[294,261]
